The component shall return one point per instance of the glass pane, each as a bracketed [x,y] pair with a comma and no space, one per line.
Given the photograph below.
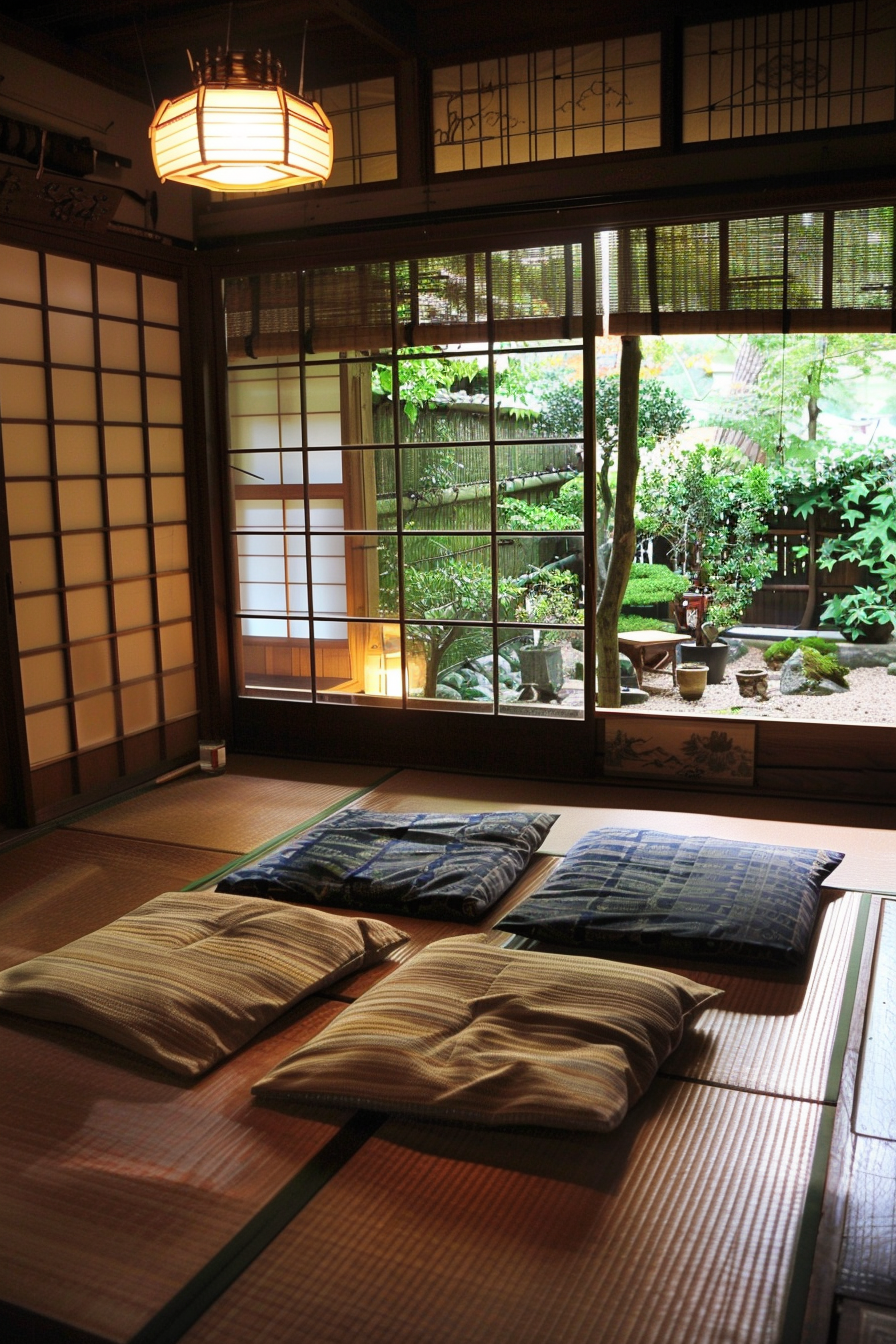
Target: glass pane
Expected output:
[260,468]
[177,645]
[127,501]
[139,707]
[163,401]
[364,660]
[26,450]
[119,345]
[121,397]
[116,291]
[77,450]
[258,432]
[252,396]
[84,558]
[442,400]
[38,622]
[160,300]
[33,564]
[439,661]
[179,691]
[30,506]
[369,488]
[95,720]
[169,499]
[88,612]
[124,449]
[23,392]
[43,679]
[91,666]
[137,655]
[48,735]
[80,504]
[130,553]
[74,395]
[372,569]
[541,672]
[171,548]
[174,596]
[71,340]
[69,284]
[22,333]
[165,449]
[19,274]
[162,350]
[447,577]
[446,488]
[133,604]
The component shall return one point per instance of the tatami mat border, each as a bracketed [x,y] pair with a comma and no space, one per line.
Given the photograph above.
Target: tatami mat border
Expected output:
[281,839]
[798,1291]
[186,1307]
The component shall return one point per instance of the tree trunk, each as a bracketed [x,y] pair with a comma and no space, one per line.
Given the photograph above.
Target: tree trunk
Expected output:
[807,620]
[623,552]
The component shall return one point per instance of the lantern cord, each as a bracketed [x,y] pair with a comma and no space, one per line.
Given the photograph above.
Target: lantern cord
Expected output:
[302,66]
[229,22]
[152,97]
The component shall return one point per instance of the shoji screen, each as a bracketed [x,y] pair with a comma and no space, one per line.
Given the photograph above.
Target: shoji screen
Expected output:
[93,456]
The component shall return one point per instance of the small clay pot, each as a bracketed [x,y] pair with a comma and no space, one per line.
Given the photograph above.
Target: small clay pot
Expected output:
[691,680]
[753,684]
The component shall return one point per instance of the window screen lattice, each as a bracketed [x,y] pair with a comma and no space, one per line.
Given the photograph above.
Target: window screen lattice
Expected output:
[769,266]
[863,258]
[813,262]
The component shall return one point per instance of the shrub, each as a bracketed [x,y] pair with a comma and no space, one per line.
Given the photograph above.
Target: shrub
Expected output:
[649,584]
[629,623]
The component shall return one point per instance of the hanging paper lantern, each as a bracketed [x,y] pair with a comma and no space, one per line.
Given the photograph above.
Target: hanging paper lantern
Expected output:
[239,130]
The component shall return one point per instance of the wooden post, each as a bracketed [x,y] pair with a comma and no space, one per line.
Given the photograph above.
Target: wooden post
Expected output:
[623,552]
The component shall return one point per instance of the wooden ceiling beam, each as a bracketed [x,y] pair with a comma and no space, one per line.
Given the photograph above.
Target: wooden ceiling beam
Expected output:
[396,35]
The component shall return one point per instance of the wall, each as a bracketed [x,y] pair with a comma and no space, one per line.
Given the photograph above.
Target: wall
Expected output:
[33,91]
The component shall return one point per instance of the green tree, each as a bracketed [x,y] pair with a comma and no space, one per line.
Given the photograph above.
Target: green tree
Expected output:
[711,505]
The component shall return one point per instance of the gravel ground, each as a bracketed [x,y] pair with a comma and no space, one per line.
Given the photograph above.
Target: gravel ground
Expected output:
[871,698]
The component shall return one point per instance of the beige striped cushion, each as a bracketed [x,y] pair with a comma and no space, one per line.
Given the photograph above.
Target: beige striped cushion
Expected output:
[187,978]
[470,1031]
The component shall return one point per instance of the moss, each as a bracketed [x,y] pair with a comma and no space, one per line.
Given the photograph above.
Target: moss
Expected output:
[776,654]
[818,666]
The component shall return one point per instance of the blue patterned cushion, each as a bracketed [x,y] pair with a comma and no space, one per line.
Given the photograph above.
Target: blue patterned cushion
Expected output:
[691,896]
[434,866]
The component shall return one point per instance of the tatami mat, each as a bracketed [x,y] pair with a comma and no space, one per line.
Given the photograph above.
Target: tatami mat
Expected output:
[774,1032]
[870,852]
[233,811]
[68,883]
[679,1227]
[120,1181]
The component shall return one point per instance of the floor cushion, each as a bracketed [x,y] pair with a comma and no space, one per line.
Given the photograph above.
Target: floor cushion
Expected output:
[452,866]
[187,978]
[471,1031]
[693,895]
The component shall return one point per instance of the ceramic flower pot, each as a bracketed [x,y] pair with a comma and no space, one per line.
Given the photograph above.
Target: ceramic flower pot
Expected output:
[753,684]
[692,680]
[715,656]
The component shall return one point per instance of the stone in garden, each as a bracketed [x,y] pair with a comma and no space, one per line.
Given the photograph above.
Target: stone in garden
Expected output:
[794,680]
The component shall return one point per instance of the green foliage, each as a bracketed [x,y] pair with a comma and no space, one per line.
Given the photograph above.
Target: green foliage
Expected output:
[628,623]
[518,516]
[649,584]
[553,600]
[777,654]
[710,504]
[820,666]
[859,485]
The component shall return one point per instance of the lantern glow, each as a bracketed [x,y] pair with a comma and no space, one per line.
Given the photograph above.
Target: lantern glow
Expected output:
[239,130]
